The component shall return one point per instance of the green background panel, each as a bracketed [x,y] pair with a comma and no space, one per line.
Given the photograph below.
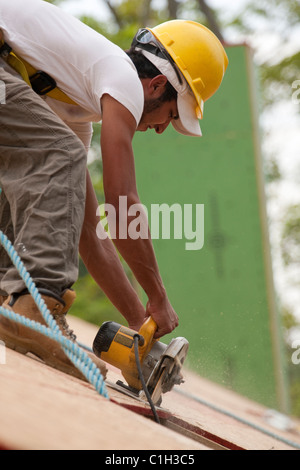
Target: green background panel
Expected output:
[222,292]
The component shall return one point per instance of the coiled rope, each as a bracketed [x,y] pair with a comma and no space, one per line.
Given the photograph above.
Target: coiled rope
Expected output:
[73,351]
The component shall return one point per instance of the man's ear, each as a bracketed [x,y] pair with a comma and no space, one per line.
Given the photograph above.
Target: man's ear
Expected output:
[157,85]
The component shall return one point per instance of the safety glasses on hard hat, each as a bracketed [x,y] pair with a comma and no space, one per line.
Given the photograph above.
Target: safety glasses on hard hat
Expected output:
[144,39]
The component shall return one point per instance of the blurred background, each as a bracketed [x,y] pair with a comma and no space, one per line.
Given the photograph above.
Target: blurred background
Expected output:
[270,30]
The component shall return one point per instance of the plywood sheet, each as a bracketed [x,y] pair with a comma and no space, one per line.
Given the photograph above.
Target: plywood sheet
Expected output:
[41,408]
[221,414]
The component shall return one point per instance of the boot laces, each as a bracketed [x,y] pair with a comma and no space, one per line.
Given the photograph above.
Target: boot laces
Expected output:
[64,327]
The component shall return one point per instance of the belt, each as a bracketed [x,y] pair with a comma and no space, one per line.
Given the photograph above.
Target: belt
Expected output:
[38,80]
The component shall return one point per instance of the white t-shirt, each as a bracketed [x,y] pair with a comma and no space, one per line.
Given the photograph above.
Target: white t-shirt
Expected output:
[84,64]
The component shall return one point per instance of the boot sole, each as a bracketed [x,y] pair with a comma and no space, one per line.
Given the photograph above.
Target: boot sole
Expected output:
[23,346]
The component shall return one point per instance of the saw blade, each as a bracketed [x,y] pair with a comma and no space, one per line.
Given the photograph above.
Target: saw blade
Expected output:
[156,395]
[167,371]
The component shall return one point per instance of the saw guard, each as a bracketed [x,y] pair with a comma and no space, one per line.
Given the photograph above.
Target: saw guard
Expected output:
[166,372]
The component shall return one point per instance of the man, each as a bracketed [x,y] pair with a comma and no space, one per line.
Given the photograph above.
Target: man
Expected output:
[59,77]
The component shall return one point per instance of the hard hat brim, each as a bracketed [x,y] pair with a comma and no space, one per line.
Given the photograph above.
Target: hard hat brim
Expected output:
[188,123]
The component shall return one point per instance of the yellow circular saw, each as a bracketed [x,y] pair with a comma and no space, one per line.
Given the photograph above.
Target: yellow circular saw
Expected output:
[142,360]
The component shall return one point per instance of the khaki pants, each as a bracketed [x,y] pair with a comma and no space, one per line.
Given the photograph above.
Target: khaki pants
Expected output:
[42,176]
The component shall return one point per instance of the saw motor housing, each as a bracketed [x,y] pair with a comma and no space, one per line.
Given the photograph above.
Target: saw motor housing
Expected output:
[161,364]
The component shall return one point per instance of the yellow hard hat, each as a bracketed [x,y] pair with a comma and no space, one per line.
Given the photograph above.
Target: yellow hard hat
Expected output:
[194,51]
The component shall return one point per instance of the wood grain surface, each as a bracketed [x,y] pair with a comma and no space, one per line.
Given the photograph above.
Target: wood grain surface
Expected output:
[44,409]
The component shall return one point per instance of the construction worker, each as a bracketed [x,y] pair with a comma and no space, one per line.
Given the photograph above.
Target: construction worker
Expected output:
[59,77]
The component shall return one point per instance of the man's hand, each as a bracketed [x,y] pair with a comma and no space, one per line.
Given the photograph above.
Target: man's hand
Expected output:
[164,316]
[162,313]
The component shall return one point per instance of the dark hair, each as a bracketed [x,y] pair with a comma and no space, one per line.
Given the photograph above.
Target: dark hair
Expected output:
[146,69]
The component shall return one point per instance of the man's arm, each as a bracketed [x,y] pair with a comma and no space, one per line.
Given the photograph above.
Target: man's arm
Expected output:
[102,261]
[118,128]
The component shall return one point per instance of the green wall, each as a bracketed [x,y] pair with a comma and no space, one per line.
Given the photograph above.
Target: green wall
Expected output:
[223,292]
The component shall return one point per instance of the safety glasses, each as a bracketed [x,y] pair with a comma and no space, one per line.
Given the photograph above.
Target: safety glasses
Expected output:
[145,40]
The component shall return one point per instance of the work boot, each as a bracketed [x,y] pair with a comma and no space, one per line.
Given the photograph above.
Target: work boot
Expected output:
[2,299]
[26,340]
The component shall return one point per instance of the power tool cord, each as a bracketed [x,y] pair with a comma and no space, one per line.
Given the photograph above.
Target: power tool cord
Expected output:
[136,339]
[76,354]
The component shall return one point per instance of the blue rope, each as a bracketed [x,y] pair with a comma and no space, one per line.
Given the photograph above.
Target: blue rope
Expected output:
[75,353]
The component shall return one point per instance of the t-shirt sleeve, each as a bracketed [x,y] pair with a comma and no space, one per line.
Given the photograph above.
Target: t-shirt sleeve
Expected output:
[117,77]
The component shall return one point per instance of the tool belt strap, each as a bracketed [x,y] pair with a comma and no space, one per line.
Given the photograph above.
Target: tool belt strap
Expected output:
[39,81]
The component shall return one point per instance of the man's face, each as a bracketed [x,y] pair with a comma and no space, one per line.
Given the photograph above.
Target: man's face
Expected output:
[158,115]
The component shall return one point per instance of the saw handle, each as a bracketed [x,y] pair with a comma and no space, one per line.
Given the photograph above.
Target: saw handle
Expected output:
[147,331]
